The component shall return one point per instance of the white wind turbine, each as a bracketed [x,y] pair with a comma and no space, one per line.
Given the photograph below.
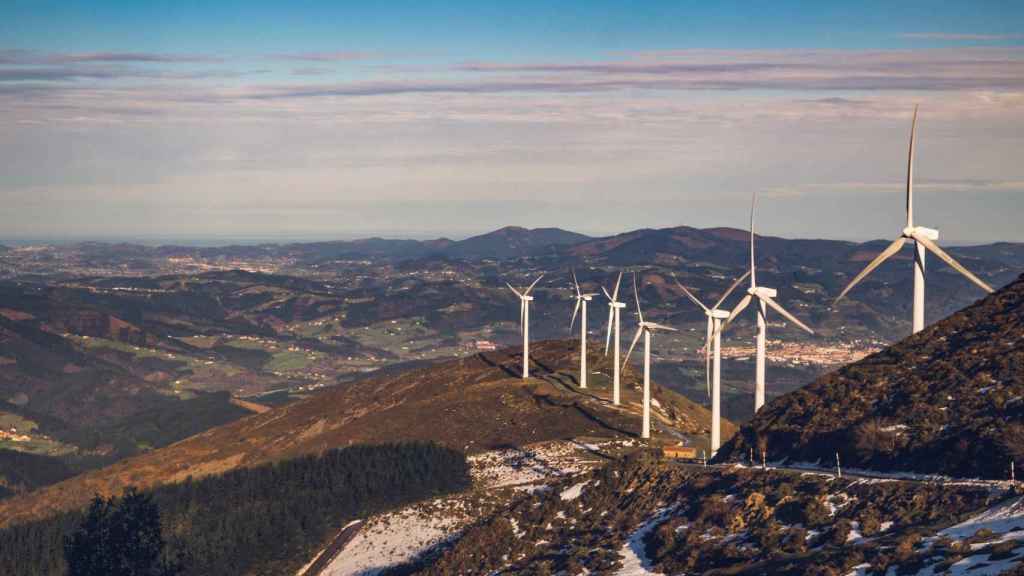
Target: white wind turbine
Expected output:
[924,238]
[713,347]
[524,322]
[765,296]
[581,302]
[645,328]
[614,306]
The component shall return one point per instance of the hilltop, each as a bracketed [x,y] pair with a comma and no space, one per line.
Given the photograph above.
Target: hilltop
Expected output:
[949,400]
[473,404]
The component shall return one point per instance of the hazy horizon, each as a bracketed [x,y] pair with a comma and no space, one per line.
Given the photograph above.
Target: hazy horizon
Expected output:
[252,120]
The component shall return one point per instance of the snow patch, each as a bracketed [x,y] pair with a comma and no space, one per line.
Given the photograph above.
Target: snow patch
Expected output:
[573,492]
[634,559]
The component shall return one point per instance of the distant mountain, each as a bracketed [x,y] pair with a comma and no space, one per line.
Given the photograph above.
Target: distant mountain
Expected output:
[474,403]
[949,400]
[513,242]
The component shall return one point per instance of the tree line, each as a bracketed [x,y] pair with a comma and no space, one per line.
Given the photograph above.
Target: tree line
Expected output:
[264,520]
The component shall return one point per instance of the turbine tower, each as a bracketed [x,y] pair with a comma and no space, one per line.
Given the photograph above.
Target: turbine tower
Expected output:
[645,328]
[765,298]
[581,302]
[614,306]
[924,238]
[524,322]
[713,371]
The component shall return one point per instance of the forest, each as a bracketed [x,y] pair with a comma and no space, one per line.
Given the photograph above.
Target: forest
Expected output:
[264,520]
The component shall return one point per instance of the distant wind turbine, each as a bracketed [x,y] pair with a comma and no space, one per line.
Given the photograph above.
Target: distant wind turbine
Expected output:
[581,302]
[713,342]
[524,322]
[924,238]
[614,306]
[765,296]
[645,328]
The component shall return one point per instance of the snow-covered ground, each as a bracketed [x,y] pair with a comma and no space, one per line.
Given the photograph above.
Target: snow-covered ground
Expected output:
[1004,520]
[634,559]
[399,536]
[402,535]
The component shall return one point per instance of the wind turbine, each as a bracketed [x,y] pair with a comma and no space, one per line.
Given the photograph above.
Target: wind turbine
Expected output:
[613,320]
[765,298]
[645,328]
[924,238]
[581,302]
[713,341]
[524,322]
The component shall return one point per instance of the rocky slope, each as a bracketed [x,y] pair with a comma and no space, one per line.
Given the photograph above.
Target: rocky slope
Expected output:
[949,400]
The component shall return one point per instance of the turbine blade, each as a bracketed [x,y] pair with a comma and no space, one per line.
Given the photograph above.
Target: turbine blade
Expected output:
[910,170]
[527,292]
[636,295]
[707,356]
[636,338]
[514,290]
[893,248]
[608,338]
[615,293]
[574,312]
[740,307]
[732,287]
[655,326]
[753,207]
[934,248]
[522,314]
[688,294]
[778,308]
[606,295]
[576,284]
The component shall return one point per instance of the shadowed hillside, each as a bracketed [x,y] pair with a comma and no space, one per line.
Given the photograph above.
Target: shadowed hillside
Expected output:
[948,400]
[470,404]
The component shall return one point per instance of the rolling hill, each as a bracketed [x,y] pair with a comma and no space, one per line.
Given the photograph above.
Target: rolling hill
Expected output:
[948,400]
[474,403]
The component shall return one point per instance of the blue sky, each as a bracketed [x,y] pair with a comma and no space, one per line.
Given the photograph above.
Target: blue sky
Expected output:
[188,119]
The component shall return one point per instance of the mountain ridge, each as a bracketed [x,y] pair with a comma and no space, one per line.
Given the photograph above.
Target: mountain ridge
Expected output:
[481,399]
[948,400]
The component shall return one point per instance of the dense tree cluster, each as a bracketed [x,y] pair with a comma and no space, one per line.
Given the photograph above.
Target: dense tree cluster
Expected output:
[264,520]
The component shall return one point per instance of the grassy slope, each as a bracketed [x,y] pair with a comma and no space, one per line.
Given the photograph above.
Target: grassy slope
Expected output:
[471,404]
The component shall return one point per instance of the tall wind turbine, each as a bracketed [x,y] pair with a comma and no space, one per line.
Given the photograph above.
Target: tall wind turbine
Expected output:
[713,347]
[524,322]
[924,238]
[581,302]
[614,306]
[645,328]
[765,298]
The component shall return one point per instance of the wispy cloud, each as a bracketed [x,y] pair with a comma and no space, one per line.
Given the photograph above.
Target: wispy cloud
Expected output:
[32,57]
[343,56]
[960,37]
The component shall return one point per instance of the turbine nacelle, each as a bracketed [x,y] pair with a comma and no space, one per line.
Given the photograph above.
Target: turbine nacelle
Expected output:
[762,292]
[716,313]
[912,232]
